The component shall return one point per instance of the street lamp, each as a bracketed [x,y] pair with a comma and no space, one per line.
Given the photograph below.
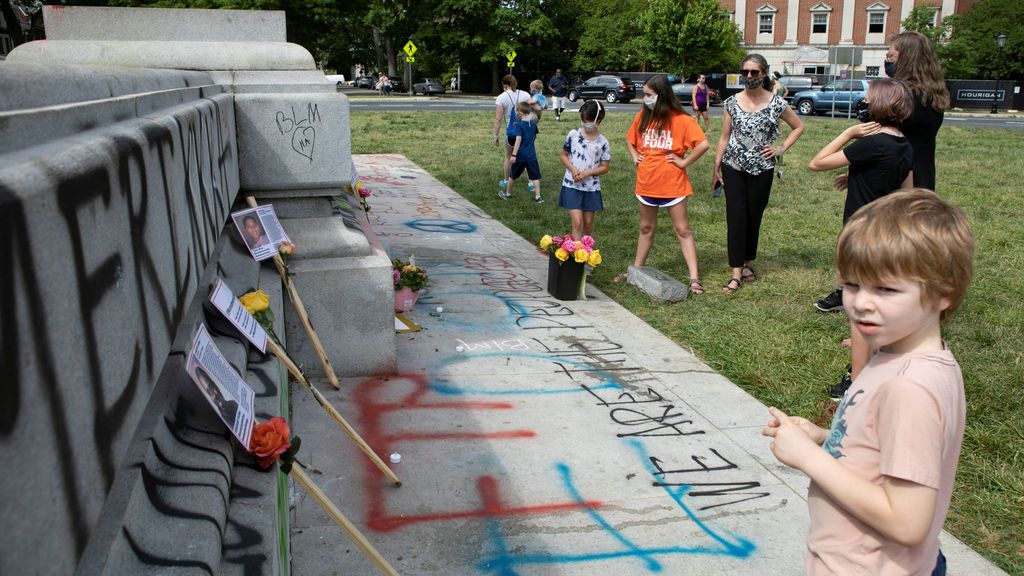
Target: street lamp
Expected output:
[1001,42]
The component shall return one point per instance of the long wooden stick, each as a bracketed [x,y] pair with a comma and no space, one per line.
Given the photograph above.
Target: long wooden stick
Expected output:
[346,526]
[300,309]
[329,408]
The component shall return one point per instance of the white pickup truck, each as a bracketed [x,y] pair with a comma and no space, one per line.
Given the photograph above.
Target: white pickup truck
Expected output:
[336,79]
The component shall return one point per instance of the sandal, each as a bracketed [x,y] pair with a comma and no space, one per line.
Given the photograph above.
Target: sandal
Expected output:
[696,288]
[747,274]
[620,278]
[729,288]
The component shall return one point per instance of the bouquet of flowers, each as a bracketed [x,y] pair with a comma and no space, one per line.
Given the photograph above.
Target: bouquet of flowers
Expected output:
[564,247]
[408,275]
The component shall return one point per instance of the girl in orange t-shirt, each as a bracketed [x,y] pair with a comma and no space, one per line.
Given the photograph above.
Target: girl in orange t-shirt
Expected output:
[658,140]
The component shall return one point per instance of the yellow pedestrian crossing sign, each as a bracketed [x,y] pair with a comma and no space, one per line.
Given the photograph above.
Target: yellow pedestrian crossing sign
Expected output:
[409,49]
[511,55]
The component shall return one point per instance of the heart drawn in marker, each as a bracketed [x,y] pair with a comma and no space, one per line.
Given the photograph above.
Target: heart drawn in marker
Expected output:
[303,141]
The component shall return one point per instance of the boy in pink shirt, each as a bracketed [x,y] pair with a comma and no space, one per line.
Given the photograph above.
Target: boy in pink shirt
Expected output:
[882,477]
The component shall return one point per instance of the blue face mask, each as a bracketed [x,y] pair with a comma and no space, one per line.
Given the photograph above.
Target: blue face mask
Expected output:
[890,68]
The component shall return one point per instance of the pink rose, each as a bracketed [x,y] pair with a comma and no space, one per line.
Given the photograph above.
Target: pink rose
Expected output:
[569,246]
[588,242]
[396,275]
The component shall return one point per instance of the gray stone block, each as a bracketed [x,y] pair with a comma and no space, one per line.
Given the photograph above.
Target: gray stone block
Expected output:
[168,54]
[148,24]
[349,302]
[295,140]
[657,284]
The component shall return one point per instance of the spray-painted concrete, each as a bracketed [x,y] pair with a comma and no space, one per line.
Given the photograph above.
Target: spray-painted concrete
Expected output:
[537,436]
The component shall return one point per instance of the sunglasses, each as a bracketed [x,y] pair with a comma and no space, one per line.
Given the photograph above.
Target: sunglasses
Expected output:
[750,73]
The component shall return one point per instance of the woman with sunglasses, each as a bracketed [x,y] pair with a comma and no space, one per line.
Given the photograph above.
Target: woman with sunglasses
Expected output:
[745,160]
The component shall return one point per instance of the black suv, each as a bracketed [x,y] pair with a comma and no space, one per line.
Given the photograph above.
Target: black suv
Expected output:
[611,88]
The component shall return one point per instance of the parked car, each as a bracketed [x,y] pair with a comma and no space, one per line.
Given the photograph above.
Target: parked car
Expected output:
[611,88]
[336,79]
[796,84]
[684,92]
[396,84]
[840,95]
[365,82]
[428,86]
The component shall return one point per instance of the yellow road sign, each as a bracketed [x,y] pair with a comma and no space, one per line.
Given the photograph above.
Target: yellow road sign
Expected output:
[511,55]
[510,64]
[410,48]
[410,59]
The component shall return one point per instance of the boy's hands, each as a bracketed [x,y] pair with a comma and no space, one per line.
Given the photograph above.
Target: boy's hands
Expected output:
[795,437]
[862,130]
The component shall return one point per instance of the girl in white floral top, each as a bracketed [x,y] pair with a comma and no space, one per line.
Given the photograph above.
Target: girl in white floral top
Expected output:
[585,155]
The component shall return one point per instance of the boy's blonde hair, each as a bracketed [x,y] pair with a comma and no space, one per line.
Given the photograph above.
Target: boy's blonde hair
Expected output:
[913,235]
[536,85]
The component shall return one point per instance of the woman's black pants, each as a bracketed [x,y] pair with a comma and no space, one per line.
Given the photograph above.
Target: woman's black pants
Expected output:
[746,197]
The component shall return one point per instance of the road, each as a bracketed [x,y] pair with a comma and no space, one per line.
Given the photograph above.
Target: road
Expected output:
[472,103]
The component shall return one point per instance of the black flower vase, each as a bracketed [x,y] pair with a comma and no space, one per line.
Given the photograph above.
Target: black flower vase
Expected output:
[564,277]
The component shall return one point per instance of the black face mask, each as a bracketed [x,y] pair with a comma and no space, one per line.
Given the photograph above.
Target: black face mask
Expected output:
[862,112]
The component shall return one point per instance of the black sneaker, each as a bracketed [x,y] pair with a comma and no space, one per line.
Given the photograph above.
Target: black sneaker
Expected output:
[831,303]
[836,392]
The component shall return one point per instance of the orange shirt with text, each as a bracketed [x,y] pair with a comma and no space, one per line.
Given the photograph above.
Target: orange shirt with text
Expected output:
[655,176]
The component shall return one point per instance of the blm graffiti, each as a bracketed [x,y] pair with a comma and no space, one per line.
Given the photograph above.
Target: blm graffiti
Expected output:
[300,127]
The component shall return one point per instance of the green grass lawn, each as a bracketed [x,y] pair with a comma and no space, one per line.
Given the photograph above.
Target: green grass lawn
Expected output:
[767,338]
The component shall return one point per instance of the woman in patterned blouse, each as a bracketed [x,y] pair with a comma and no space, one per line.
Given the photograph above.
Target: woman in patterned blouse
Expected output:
[745,160]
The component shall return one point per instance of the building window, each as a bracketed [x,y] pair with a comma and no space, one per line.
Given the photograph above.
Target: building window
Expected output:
[766,24]
[876,22]
[870,71]
[819,24]
[814,69]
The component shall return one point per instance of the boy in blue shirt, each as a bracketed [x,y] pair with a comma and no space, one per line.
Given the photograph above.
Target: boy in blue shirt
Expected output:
[524,155]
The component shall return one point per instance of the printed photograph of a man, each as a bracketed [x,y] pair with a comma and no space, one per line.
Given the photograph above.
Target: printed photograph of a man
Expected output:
[226,406]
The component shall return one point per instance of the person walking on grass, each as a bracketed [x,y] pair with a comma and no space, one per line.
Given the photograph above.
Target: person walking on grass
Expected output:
[505,111]
[882,476]
[663,141]
[699,102]
[879,161]
[745,161]
[559,86]
[524,155]
[585,155]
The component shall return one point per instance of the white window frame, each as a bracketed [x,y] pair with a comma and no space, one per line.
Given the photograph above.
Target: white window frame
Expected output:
[820,9]
[875,10]
[770,12]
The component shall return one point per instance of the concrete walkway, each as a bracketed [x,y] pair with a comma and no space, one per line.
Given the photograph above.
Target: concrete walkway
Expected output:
[540,437]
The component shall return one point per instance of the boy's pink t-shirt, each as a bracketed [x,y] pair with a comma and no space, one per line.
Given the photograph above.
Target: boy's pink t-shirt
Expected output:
[903,417]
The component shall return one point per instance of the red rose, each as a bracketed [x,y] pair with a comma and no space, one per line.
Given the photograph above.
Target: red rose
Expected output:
[269,440]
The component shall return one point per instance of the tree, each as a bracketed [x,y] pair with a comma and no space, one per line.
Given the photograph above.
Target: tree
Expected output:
[690,35]
[971,50]
[610,36]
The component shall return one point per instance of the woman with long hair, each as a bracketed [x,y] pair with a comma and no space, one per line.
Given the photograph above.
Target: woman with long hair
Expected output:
[505,111]
[911,59]
[745,162]
[658,141]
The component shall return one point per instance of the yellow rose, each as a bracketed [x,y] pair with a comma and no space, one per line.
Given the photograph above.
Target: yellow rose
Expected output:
[595,258]
[561,254]
[545,242]
[581,255]
[255,302]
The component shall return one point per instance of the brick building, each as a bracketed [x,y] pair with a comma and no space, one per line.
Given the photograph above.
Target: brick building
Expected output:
[795,35]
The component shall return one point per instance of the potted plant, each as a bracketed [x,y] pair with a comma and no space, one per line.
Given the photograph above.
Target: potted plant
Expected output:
[567,262]
[409,280]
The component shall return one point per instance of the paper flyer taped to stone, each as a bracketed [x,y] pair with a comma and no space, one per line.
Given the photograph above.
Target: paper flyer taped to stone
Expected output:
[224,300]
[261,230]
[226,391]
